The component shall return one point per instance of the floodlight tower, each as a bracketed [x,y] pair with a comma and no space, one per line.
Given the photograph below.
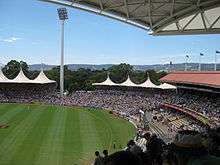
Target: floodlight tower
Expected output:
[217,52]
[200,60]
[186,63]
[62,12]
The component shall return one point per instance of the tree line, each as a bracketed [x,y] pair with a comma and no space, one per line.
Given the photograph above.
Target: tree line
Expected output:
[82,79]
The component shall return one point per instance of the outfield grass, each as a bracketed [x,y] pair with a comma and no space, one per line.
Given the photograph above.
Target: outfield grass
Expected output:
[54,135]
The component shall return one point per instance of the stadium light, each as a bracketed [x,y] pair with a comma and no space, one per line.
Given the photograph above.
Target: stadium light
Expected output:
[62,13]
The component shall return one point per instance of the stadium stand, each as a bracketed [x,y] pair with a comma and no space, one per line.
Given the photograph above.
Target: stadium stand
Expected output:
[22,89]
[165,124]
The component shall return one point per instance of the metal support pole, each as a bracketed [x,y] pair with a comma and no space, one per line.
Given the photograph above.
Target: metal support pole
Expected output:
[62,60]
[200,59]
[215,62]
[186,64]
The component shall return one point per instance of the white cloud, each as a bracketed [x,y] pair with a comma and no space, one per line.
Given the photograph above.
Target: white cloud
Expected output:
[10,40]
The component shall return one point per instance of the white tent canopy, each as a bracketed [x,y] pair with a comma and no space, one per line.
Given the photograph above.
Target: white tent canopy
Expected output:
[128,83]
[167,86]
[148,84]
[3,78]
[107,82]
[42,79]
[21,78]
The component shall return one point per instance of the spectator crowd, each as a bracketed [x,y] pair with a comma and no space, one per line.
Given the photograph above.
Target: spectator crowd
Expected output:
[126,103]
[182,151]
[131,105]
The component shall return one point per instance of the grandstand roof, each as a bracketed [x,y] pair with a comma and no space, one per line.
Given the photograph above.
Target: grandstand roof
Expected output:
[128,83]
[167,86]
[148,84]
[107,82]
[203,78]
[21,78]
[3,78]
[161,17]
[42,79]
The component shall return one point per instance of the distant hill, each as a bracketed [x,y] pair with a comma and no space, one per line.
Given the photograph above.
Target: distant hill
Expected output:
[89,66]
[71,66]
[157,67]
[39,66]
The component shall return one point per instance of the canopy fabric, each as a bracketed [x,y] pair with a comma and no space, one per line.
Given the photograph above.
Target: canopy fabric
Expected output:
[167,86]
[128,83]
[42,79]
[160,17]
[21,78]
[107,82]
[3,78]
[148,84]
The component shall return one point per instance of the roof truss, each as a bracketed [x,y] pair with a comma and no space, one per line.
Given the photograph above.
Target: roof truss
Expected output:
[160,17]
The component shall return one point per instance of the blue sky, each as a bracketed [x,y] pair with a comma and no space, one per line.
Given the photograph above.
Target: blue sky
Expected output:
[30,31]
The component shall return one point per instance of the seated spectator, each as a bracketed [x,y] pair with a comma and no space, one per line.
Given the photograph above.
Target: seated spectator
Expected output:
[134,148]
[155,149]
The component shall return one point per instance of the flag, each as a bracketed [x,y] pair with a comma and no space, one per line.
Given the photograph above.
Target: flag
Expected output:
[217,51]
[187,56]
[201,54]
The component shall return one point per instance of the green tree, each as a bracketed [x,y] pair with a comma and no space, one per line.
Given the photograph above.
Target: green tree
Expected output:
[138,76]
[12,68]
[119,73]
[54,74]
[82,79]
[155,76]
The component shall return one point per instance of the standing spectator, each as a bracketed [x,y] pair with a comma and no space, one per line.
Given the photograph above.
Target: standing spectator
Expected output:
[155,148]
[99,159]
[134,148]
[105,153]
[114,145]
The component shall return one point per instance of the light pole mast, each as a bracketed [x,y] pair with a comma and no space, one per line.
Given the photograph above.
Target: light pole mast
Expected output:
[200,61]
[62,12]
[62,60]
[186,62]
[216,52]
[215,68]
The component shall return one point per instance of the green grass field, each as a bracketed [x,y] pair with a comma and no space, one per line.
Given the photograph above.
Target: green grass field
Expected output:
[54,135]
